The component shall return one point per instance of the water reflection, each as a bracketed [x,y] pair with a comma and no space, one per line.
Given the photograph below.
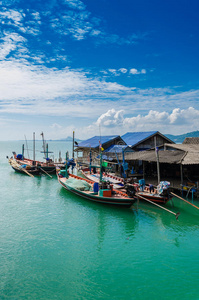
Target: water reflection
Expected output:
[106,218]
[187,221]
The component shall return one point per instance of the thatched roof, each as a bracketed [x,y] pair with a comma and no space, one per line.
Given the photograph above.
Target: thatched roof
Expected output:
[166,156]
[183,154]
[184,147]
[191,140]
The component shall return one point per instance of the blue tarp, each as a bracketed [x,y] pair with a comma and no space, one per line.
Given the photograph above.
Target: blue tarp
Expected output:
[133,138]
[96,140]
[118,149]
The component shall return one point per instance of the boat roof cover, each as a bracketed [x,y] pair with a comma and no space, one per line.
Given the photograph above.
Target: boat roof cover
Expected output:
[96,140]
[133,138]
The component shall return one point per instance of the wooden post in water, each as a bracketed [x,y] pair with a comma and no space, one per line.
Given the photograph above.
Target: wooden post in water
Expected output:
[181,176]
[73,144]
[143,162]
[157,157]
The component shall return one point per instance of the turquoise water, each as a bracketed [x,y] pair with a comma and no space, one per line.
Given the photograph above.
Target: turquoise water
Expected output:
[54,245]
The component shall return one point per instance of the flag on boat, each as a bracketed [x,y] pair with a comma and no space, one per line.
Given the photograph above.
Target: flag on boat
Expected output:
[100,146]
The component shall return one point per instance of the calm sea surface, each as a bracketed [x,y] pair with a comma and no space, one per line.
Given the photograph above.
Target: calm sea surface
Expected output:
[54,245]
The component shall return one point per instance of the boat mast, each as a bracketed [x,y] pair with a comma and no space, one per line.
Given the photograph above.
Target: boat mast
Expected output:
[90,157]
[33,148]
[100,165]
[23,151]
[27,147]
[44,144]
[46,151]
[66,168]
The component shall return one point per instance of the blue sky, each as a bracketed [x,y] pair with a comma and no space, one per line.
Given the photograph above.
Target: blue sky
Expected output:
[98,67]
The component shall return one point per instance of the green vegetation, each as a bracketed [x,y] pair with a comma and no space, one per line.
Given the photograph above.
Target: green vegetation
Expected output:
[180,138]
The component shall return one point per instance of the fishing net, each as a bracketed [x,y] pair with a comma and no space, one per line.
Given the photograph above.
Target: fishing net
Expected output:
[80,185]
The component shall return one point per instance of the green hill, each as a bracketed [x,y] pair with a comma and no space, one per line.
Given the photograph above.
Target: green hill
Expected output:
[180,138]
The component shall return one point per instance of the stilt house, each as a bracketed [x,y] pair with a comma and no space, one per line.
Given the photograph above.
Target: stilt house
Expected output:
[89,149]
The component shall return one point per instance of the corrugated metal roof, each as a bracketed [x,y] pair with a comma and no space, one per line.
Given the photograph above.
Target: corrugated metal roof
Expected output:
[95,141]
[118,149]
[133,138]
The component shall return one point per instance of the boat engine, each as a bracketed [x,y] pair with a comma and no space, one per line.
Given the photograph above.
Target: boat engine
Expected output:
[130,190]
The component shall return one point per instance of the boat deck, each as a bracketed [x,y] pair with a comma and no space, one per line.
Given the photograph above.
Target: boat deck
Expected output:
[147,194]
[115,195]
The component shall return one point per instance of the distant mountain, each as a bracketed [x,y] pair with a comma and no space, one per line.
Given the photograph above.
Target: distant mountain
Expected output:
[180,138]
[68,139]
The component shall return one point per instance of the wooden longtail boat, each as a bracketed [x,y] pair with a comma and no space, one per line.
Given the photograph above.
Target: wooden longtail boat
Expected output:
[156,196]
[91,191]
[160,195]
[49,167]
[24,169]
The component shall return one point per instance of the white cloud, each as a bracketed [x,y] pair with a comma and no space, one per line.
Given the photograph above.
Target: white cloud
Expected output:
[28,89]
[12,42]
[143,71]
[134,71]
[184,120]
[111,118]
[118,72]
[123,70]
[75,4]
[73,20]
[115,122]
[11,16]
[55,126]
[95,32]
[184,116]
[113,71]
